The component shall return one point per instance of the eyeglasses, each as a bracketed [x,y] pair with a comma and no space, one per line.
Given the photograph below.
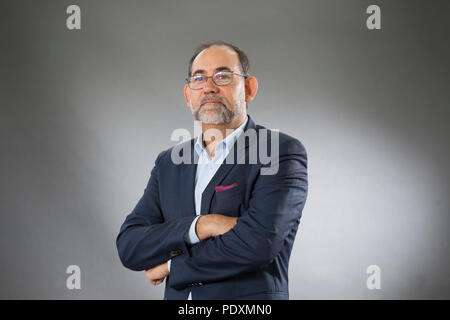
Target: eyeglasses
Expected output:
[221,78]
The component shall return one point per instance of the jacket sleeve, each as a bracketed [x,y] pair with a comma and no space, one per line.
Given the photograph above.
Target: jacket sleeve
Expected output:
[145,239]
[274,211]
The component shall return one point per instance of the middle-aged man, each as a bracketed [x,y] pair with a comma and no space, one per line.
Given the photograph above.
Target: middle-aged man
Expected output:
[217,226]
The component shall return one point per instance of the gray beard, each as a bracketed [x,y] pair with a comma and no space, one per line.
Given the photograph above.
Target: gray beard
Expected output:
[222,114]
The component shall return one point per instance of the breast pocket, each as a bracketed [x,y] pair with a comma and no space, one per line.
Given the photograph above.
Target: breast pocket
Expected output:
[228,202]
[230,192]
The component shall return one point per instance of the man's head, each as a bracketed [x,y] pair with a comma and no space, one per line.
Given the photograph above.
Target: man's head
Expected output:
[219,104]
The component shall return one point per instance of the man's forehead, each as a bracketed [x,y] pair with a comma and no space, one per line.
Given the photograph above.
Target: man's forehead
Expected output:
[216,57]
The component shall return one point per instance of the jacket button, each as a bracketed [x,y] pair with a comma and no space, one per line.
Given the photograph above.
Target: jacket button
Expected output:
[174,253]
[195,284]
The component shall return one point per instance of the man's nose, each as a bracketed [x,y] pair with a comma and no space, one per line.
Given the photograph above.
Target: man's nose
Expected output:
[210,86]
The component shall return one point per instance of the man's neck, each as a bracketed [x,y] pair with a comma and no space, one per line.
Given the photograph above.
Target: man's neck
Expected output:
[214,133]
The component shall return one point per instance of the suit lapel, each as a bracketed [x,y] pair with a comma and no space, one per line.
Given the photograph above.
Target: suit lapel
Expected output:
[188,175]
[226,166]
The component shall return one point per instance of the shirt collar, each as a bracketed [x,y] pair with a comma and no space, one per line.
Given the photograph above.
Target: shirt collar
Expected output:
[226,143]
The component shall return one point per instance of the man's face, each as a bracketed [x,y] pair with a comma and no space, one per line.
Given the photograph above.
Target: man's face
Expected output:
[215,104]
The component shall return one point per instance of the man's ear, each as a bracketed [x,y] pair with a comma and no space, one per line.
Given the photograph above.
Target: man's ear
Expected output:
[187,95]
[251,87]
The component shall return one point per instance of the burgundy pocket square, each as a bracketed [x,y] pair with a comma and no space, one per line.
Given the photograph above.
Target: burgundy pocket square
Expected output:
[223,188]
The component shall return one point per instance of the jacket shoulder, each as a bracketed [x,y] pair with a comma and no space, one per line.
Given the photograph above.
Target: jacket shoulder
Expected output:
[288,144]
[178,150]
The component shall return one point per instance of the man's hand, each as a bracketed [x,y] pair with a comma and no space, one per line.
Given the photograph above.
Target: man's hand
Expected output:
[213,225]
[157,274]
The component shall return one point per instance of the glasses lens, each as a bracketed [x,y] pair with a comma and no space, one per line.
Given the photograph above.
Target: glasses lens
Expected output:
[196,82]
[223,78]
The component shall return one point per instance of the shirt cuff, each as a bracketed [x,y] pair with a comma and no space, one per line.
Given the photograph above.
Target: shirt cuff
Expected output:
[168,264]
[191,237]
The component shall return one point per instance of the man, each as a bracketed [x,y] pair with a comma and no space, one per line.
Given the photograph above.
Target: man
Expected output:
[217,227]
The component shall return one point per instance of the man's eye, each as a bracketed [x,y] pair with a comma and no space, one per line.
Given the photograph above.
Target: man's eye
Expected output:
[198,79]
[222,76]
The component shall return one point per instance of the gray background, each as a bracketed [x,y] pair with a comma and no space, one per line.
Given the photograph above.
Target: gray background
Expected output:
[85,113]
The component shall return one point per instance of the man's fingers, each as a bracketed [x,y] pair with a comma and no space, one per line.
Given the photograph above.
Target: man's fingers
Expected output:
[157,281]
[156,275]
[147,274]
[152,280]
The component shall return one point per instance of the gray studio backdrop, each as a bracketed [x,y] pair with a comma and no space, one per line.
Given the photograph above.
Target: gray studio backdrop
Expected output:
[84,113]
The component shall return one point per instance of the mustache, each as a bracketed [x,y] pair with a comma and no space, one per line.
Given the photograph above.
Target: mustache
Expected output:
[209,98]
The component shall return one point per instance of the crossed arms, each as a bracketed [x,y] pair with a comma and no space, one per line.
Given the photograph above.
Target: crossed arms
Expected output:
[229,246]
[211,225]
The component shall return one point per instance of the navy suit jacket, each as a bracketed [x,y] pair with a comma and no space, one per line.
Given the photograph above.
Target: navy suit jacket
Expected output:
[248,262]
